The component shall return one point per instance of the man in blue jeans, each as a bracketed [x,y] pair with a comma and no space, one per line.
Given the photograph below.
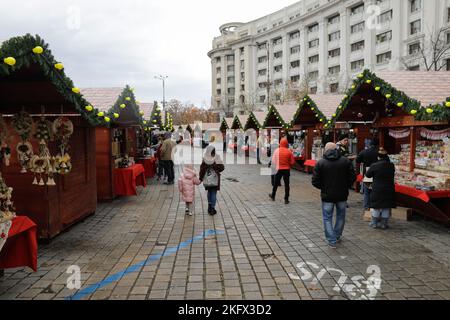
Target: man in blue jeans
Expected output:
[334,175]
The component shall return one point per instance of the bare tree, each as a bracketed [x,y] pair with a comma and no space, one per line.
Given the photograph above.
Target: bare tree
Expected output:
[432,54]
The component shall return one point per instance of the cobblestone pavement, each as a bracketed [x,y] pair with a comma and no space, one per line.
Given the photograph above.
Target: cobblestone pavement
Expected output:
[263,250]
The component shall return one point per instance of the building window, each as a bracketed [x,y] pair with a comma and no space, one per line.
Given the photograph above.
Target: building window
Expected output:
[278,54]
[278,82]
[230,79]
[294,35]
[278,68]
[384,37]
[242,87]
[334,70]
[334,53]
[231,102]
[219,92]
[357,65]
[313,90]
[334,36]
[334,19]
[262,59]
[414,68]
[357,46]
[448,38]
[314,43]
[414,48]
[261,46]
[385,17]
[262,85]
[219,81]
[313,59]
[384,57]
[415,27]
[242,50]
[334,87]
[313,75]
[242,76]
[262,72]
[357,9]
[277,41]
[295,49]
[230,58]
[313,28]
[295,79]
[262,99]
[359,27]
[230,68]
[295,64]
[218,69]
[217,59]
[448,14]
[416,5]
[231,91]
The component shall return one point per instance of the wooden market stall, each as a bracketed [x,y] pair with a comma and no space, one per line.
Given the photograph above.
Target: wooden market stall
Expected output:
[254,130]
[47,138]
[117,146]
[411,112]
[310,130]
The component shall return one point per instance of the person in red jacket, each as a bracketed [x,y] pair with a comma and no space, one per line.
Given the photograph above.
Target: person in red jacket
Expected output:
[283,160]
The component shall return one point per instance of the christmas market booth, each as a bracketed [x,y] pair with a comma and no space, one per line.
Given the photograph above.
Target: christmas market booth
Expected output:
[278,121]
[309,130]
[253,129]
[236,139]
[410,113]
[117,145]
[47,139]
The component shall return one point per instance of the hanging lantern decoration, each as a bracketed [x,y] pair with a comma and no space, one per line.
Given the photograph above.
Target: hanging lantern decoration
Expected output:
[59,66]
[10,61]
[38,50]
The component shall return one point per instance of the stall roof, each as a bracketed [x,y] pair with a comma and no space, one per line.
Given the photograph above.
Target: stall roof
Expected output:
[147,108]
[102,98]
[427,87]
[259,117]
[327,103]
[287,111]
[206,126]
[229,122]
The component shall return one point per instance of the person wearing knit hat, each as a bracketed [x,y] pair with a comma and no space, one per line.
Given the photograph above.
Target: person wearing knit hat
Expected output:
[333,176]
[382,197]
[343,146]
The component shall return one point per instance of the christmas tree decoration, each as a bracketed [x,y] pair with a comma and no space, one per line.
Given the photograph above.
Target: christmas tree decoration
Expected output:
[63,130]
[59,66]
[128,98]
[353,86]
[76,90]
[360,75]
[377,88]
[107,119]
[144,122]
[116,115]
[38,50]
[23,124]
[400,104]
[89,108]
[368,81]
[447,104]
[413,112]
[429,110]
[10,61]
[101,114]
[388,95]
[122,106]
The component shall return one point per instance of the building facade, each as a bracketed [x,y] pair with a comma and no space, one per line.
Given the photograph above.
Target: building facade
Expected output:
[320,45]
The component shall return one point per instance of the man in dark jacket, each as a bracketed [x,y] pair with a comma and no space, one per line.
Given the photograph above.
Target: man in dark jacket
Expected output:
[382,198]
[367,158]
[333,175]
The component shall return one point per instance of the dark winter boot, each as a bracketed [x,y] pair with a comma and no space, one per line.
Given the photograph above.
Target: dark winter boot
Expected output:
[384,224]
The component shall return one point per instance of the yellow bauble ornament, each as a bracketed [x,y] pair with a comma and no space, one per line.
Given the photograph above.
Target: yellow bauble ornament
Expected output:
[59,66]
[360,75]
[101,114]
[128,98]
[38,50]
[76,90]
[345,96]
[340,107]
[10,61]
[154,121]
[116,115]
[144,122]
[89,108]
[377,89]
[447,104]
[107,119]
[334,115]
[353,86]
[413,112]
[141,113]
[388,95]
[400,104]
[430,111]
[123,106]
[369,81]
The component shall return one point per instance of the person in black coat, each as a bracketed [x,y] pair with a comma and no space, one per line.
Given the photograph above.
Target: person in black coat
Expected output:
[368,157]
[333,175]
[382,197]
[211,160]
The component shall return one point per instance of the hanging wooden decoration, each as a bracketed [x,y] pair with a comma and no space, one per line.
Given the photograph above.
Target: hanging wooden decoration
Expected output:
[63,130]
[5,150]
[23,124]
[7,211]
[399,134]
[435,135]
[43,163]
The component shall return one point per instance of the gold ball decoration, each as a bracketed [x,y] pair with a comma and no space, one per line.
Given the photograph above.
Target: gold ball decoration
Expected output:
[10,61]
[38,50]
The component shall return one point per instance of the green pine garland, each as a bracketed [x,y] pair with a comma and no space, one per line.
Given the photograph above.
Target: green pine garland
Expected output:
[273,110]
[307,102]
[224,124]
[238,122]
[21,49]
[434,113]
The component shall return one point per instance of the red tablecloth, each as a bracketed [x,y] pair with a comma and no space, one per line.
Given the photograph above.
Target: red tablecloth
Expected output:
[149,166]
[20,249]
[425,196]
[126,180]
[310,163]
[359,178]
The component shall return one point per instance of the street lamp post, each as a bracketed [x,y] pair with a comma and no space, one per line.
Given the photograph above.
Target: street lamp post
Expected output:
[163,79]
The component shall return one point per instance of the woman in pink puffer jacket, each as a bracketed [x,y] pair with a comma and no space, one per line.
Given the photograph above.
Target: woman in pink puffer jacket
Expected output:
[186,185]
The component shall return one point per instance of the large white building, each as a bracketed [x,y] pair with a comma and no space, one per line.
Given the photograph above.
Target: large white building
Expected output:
[319,45]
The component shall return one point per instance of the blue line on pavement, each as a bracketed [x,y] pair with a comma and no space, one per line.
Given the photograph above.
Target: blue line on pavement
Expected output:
[135,268]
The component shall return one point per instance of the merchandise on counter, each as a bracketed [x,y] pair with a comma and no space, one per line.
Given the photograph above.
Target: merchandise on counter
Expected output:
[433,156]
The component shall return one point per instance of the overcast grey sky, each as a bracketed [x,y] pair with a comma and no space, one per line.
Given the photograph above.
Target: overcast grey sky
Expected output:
[105,43]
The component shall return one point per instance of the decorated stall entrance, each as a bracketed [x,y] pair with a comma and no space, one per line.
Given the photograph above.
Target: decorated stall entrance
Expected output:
[411,112]
[47,138]
[254,129]
[118,144]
